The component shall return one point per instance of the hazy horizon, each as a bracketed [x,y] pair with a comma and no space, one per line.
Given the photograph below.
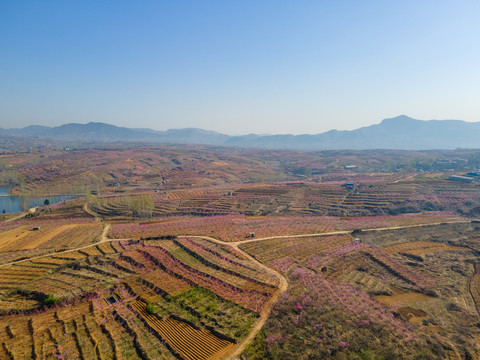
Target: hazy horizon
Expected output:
[236,134]
[271,67]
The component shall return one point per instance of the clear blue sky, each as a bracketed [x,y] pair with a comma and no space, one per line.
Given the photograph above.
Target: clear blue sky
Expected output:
[263,66]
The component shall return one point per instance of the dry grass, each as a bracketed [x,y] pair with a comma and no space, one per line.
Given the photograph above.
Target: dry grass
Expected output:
[24,238]
[49,235]
[421,248]
[474,287]
[402,299]
[166,282]
[11,236]
[189,342]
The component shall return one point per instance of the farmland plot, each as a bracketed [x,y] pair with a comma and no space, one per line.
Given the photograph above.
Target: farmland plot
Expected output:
[418,295]
[191,321]
[24,242]
[421,248]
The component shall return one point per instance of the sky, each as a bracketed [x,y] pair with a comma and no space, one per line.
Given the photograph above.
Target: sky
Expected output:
[238,67]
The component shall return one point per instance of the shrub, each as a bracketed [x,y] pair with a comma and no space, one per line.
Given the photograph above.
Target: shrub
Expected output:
[257,349]
[50,300]
[151,308]
[366,355]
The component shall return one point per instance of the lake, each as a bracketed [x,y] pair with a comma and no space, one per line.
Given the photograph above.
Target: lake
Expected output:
[4,190]
[12,204]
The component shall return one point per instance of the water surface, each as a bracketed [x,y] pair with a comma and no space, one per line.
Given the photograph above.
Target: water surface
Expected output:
[13,204]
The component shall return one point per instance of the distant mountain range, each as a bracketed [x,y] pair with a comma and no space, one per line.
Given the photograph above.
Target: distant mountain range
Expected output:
[401,132]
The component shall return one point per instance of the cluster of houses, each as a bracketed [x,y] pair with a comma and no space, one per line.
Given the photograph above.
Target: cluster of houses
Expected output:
[468,178]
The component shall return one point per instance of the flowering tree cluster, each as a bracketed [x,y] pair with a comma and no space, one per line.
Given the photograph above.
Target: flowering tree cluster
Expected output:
[238,227]
[322,319]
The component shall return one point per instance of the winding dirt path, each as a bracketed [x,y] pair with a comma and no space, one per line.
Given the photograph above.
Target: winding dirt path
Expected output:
[103,239]
[235,244]
[91,212]
[105,231]
[403,179]
[283,283]
[267,309]
[420,225]
[343,232]
[19,216]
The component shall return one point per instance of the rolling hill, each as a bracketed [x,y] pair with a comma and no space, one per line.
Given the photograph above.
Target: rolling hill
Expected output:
[401,132]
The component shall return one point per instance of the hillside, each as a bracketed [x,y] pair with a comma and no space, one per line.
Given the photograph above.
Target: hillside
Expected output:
[195,253]
[401,132]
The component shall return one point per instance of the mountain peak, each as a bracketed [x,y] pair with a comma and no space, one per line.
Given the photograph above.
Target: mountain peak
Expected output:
[397,119]
[401,132]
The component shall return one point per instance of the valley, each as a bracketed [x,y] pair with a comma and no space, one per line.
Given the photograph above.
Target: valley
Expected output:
[204,254]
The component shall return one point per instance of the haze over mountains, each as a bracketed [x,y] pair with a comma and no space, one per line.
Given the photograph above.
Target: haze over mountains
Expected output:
[401,132]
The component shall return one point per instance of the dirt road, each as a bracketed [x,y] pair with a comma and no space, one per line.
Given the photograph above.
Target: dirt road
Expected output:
[103,239]
[343,232]
[19,216]
[106,229]
[91,212]
[267,309]
[283,283]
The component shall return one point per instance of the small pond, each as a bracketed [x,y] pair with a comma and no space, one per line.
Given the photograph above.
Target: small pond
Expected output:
[13,204]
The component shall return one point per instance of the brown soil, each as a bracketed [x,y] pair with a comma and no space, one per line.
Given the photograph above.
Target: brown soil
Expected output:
[474,287]
[405,298]
[47,237]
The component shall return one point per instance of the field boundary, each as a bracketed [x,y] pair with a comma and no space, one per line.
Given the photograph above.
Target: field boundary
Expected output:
[105,238]
[283,283]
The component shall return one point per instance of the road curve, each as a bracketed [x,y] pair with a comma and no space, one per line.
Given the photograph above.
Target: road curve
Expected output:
[267,309]
[283,283]
[343,232]
[103,239]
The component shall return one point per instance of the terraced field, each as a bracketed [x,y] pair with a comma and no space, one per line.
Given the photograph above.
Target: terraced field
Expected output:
[140,273]
[424,282]
[205,298]
[44,237]
[294,250]
[297,198]
[84,330]
[421,248]
[202,344]
[144,271]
